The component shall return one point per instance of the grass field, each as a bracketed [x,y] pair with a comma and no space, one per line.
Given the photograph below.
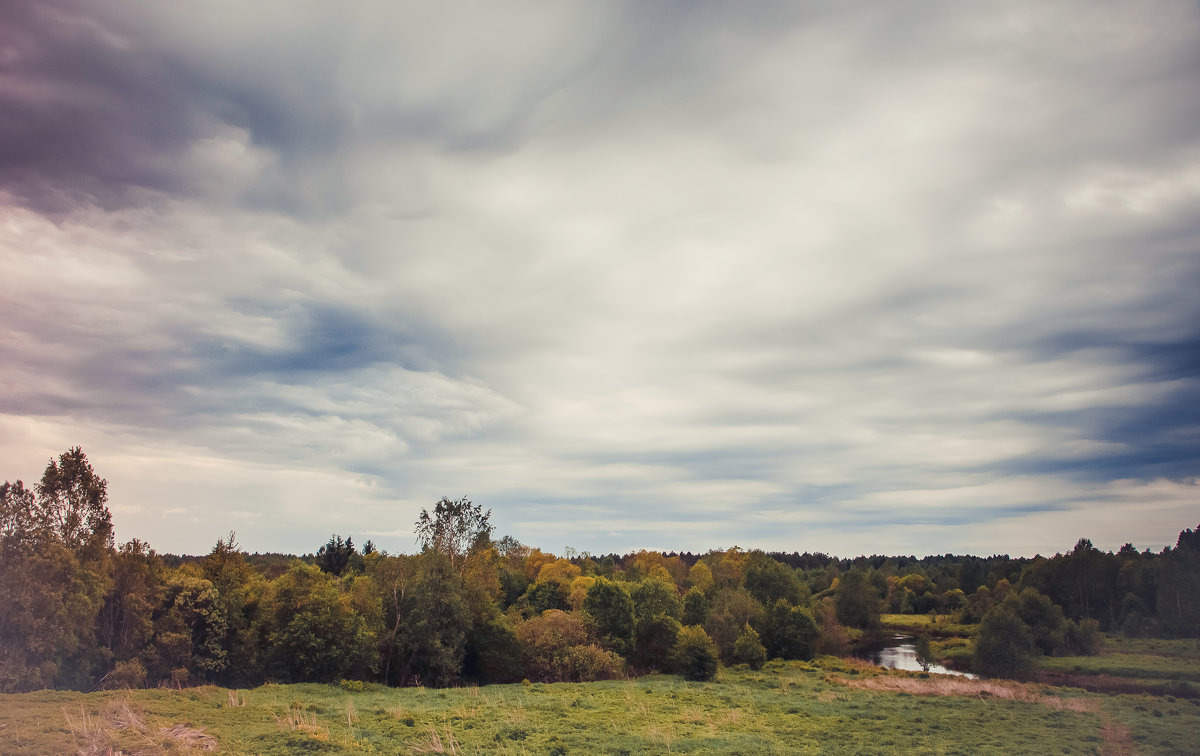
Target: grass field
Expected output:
[939,626]
[829,706]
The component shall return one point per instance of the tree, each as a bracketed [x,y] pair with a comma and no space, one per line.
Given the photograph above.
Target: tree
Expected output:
[609,609]
[748,649]
[1003,645]
[312,632]
[454,528]
[768,580]
[924,652]
[790,632]
[54,576]
[74,500]
[695,656]
[731,611]
[336,555]
[653,640]
[559,648]
[857,600]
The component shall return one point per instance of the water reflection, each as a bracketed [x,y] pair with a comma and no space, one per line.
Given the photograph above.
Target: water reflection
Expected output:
[900,652]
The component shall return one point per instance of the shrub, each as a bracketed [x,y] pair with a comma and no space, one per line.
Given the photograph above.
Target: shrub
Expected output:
[790,632]
[654,640]
[748,649]
[558,648]
[1084,638]
[128,673]
[1003,645]
[695,654]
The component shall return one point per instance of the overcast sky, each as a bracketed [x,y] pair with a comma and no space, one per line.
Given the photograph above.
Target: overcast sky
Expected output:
[849,277]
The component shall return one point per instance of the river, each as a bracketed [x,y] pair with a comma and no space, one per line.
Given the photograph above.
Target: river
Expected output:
[899,652]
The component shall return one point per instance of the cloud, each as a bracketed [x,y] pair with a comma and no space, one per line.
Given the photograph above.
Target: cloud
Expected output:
[857,278]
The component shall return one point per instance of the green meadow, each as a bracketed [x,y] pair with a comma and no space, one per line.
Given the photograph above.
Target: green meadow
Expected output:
[826,706]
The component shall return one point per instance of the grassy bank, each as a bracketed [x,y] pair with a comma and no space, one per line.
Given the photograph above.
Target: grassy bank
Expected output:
[831,706]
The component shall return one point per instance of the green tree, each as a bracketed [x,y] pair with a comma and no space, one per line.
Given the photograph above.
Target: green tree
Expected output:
[748,649]
[732,610]
[74,499]
[336,555]
[311,630]
[189,628]
[559,648]
[857,600]
[924,652]
[695,656]
[790,632]
[768,580]
[696,606]
[654,639]
[1178,591]
[54,575]
[125,624]
[240,592]
[433,620]
[653,597]
[1003,645]
[454,528]
[609,609]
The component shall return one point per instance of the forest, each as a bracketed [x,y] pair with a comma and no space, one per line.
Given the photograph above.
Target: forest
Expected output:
[81,612]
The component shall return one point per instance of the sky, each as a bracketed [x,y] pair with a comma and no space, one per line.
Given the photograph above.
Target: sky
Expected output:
[855,277]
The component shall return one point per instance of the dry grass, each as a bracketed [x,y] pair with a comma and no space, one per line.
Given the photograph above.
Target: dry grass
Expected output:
[96,735]
[298,720]
[942,686]
[189,738]
[351,713]
[961,686]
[433,742]
[237,699]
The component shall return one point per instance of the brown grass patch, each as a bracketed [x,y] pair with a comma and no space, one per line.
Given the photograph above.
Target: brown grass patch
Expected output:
[1117,741]
[961,686]
[96,735]
[433,742]
[190,738]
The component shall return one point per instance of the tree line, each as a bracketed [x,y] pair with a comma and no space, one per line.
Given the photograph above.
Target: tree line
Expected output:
[78,611]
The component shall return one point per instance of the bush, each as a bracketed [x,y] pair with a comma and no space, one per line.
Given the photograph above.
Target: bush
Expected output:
[558,648]
[654,640]
[1003,645]
[790,632]
[695,654]
[748,649]
[127,674]
[1084,638]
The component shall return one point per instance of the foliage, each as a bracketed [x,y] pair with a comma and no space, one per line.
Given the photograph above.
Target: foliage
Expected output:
[748,649]
[768,580]
[857,601]
[1003,643]
[454,528]
[924,650]
[336,556]
[654,639]
[609,609]
[559,648]
[732,610]
[696,656]
[311,629]
[790,632]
